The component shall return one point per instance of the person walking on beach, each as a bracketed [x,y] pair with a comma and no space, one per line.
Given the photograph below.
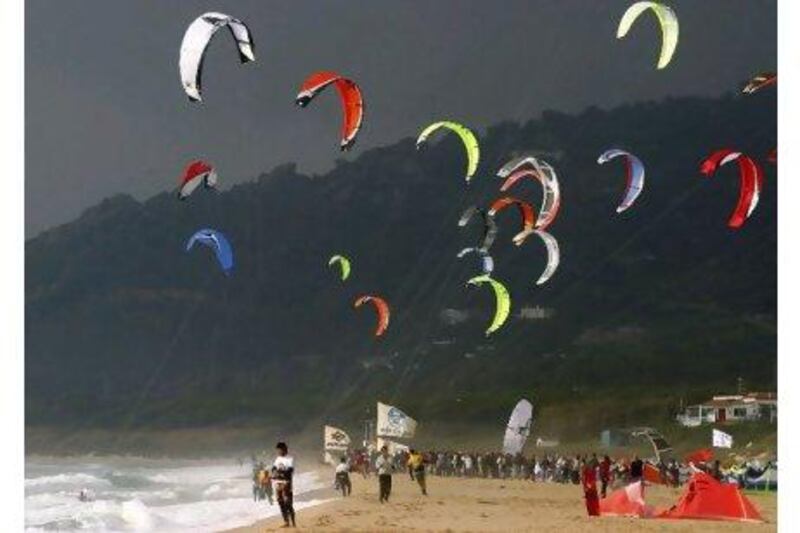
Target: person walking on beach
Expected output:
[384,466]
[416,465]
[637,469]
[343,477]
[605,475]
[282,473]
[589,482]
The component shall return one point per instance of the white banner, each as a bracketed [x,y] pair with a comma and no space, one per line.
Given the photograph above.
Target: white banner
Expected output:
[720,439]
[392,422]
[336,439]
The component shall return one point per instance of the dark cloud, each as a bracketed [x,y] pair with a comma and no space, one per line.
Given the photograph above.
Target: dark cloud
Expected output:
[105,112]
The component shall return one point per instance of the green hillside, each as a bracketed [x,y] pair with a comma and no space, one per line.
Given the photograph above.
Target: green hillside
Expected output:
[660,304]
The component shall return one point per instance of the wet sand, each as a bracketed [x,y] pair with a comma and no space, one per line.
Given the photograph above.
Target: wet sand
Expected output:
[456,504]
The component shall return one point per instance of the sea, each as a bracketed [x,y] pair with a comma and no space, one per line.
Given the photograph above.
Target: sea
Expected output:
[141,494]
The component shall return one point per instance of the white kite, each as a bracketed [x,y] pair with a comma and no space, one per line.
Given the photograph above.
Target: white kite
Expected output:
[195,42]
[518,428]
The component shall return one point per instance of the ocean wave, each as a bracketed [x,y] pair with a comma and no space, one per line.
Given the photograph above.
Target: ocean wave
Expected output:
[165,496]
[73,479]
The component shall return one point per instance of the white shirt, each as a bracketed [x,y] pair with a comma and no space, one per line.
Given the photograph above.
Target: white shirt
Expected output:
[342,468]
[384,465]
[282,464]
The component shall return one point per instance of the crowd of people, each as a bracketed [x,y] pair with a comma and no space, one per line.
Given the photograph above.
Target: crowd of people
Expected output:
[596,474]
[549,467]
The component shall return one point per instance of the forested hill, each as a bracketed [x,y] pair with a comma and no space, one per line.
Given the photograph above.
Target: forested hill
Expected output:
[125,327]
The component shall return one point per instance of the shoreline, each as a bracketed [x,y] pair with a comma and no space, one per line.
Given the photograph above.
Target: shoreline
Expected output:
[476,504]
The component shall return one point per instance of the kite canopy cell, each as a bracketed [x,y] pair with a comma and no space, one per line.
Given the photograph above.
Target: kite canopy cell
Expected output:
[518,428]
[489,226]
[350,96]
[759,81]
[196,173]
[525,210]
[553,256]
[381,307]
[216,241]
[344,265]
[468,139]
[487,263]
[502,299]
[196,40]
[666,18]
[634,172]
[751,179]
[530,167]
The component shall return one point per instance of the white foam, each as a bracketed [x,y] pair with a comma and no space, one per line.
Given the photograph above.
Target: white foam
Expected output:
[146,495]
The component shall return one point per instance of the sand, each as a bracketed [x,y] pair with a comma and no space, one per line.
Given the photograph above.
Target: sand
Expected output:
[456,504]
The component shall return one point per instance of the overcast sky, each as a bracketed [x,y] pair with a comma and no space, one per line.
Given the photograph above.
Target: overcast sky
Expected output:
[105,111]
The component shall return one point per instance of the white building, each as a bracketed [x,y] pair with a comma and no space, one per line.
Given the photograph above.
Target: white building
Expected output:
[732,408]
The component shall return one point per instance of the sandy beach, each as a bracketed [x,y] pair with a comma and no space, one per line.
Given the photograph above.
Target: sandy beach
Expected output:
[456,504]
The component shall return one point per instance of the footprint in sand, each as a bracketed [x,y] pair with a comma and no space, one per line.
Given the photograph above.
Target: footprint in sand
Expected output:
[324,520]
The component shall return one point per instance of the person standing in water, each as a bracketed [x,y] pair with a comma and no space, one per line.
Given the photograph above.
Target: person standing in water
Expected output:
[282,473]
[416,465]
[384,466]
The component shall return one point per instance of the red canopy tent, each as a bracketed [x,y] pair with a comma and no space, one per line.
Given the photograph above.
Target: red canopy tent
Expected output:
[707,498]
[627,501]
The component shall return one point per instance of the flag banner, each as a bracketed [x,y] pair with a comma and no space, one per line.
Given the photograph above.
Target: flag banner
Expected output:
[720,439]
[392,422]
[336,439]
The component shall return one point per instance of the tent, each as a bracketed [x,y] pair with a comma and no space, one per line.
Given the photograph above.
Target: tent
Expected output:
[627,501]
[704,498]
[707,498]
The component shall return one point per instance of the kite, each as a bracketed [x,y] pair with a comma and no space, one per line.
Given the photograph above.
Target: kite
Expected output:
[195,42]
[518,428]
[195,174]
[553,256]
[502,297]
[467,138]
[489,226]
[350,96]
[527,166]
[487,263]
[760,81]
[217,242]
[751,178]
[666,18]
[525,210]
[634,170]
[381,307]
[344,264]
